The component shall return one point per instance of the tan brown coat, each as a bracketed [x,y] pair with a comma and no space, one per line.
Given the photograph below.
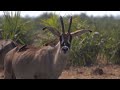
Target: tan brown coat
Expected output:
[5,46]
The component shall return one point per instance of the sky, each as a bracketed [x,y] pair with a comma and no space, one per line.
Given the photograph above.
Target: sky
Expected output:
[64,13]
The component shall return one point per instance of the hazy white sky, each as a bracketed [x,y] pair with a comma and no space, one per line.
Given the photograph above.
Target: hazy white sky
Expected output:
[64,13]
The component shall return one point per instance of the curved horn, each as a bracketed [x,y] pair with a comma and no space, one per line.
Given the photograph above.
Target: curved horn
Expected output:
[70,24]
[62,24]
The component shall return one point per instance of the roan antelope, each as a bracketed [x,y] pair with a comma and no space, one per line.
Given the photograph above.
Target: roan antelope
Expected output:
[5,46]
[41,63]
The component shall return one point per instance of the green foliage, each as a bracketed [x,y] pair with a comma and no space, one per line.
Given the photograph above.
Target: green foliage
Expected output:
[85,50]
[52,21]
[47,36]
[14,27]
[115,57]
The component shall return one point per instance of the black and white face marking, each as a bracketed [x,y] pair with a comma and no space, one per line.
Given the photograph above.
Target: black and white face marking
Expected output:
[65,42]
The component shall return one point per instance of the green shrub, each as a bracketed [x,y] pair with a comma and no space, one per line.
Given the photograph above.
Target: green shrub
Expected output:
[14,27]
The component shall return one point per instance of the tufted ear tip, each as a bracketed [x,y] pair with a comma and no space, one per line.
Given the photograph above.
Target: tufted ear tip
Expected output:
[44,28]
[90,31]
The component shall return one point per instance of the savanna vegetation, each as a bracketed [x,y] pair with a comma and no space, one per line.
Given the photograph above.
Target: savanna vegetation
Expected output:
[100,46]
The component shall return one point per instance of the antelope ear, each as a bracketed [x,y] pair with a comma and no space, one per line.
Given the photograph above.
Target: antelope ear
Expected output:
[79,32]
[53,31]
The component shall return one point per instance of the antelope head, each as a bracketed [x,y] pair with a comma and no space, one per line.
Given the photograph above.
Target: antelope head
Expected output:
[65,38]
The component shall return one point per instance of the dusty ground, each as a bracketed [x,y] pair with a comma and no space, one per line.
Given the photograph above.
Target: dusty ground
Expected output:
[94,72]
[108,72]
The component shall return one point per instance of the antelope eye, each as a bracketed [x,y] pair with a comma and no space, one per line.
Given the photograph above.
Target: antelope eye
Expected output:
[63,43]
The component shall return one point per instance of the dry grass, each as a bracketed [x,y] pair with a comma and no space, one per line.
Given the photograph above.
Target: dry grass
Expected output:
[109,72]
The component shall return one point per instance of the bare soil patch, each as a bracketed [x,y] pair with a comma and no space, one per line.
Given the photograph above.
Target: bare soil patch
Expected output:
[94,72]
